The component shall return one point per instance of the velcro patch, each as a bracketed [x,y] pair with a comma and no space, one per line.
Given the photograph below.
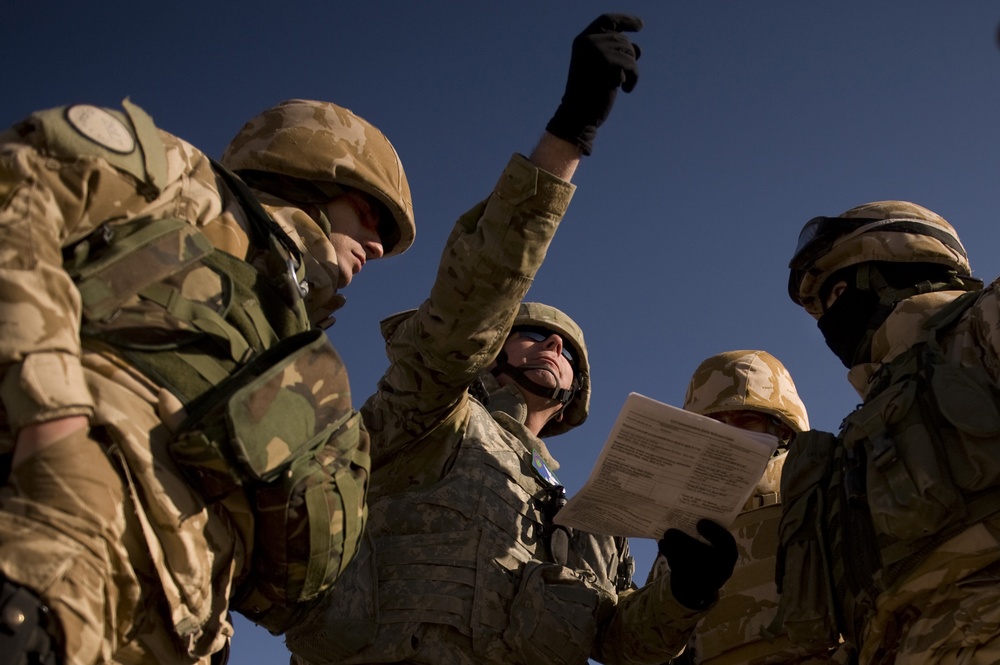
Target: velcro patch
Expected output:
[101,127]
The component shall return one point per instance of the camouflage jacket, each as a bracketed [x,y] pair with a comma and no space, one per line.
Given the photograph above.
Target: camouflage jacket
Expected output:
[56,187]
[732,632]
[463,564]
[972,342]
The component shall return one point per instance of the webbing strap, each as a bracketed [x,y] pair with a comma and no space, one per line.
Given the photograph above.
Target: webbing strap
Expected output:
[320,539]
[200,316]
[153,153]
[203,364]
[351,495]
[261,223]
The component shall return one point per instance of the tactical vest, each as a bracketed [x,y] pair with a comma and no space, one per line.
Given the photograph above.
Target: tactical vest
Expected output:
[738,629]
[476,552]
[913,466]
[732,628]
[268,402]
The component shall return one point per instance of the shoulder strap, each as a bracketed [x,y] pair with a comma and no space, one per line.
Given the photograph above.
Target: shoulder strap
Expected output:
[265,232]
[949,314]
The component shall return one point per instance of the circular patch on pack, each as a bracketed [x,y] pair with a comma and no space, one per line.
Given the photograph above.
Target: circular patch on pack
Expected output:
[101,127]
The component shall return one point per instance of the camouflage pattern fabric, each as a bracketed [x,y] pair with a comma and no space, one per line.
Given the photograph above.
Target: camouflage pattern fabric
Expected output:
[327,146]
[550,318]
[945,610]
[461,550]
[871,245]
[746,381]
[146,579]
[733,632]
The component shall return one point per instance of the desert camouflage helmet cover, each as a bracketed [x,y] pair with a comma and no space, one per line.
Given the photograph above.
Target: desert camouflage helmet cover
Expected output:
[746,381]
[894,231]
[329,146]
[550,318]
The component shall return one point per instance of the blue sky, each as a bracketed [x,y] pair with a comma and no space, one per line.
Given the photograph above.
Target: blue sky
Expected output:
[749,118]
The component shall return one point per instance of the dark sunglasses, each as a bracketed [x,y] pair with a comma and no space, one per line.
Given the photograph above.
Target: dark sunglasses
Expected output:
[539,334]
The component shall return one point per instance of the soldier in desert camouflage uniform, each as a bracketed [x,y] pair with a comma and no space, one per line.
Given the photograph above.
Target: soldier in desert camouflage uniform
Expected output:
[162,370]
[906,554]
[462,563]
[751,390]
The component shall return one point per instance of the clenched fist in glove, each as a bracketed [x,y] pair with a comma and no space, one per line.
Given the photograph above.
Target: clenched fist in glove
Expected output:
[603,60]
[698,570]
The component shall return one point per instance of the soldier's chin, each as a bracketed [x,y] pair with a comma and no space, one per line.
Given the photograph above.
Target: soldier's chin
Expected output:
[542,374]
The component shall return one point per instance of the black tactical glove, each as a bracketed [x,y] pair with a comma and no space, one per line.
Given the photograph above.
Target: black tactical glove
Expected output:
[698,570]
[603,59]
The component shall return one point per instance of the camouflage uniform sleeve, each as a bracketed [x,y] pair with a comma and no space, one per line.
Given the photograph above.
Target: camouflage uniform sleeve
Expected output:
[39,306]
[487,265]
[45,203]
[648,626]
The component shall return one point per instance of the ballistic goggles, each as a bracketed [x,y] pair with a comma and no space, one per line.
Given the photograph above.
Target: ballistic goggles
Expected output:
[819,235]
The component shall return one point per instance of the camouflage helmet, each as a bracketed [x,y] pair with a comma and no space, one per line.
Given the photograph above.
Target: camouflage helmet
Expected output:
[746,381]
[313,149]
[550,318]
[893,231]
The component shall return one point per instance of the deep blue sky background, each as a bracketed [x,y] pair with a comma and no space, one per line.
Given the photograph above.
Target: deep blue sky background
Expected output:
[749,118]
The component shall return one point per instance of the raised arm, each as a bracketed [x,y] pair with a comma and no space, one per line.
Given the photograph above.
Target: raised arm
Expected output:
[495,249]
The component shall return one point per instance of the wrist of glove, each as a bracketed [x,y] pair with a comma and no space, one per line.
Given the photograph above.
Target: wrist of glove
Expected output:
[698,569]
[603,60]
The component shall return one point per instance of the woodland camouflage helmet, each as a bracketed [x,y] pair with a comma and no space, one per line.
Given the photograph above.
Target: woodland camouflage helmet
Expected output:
[550,318]
[891,231]
[306,151]
[746,381]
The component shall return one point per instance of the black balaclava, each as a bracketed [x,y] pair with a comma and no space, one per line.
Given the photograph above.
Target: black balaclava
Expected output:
[846,324]
[873,289]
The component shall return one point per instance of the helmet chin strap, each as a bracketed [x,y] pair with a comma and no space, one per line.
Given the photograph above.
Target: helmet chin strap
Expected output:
[520,377]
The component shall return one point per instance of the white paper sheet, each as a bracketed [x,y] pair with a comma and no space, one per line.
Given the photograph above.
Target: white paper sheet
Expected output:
[663,467]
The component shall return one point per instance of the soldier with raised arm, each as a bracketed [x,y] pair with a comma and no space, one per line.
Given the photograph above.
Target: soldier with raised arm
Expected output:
[461,561]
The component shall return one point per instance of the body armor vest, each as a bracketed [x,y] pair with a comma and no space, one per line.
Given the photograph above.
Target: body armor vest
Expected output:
[475,552]
[913,466]
[731,631]
[268,402]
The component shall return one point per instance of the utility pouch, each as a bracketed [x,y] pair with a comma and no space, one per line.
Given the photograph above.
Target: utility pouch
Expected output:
[908,484]
[803,570]
[968,403]
[553,617]
[282,428]
[116,262]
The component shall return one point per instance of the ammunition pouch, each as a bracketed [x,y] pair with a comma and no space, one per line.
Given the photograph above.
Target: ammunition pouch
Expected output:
[268,400]
[282,429]
[928,445]
[803,567]
[552,617]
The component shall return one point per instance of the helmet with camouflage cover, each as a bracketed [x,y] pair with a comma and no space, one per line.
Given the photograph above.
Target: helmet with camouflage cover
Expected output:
[550,318]
[307,151]
[746,381]
[891,231]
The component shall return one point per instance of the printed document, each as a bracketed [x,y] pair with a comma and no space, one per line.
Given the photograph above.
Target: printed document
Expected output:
[663,467]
